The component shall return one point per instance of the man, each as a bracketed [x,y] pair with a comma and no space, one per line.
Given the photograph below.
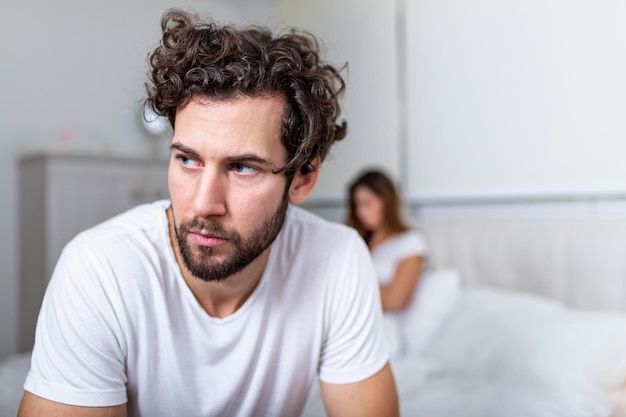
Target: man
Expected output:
[228,300]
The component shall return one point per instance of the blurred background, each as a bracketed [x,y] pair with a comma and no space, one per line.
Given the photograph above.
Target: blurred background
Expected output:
[462,101]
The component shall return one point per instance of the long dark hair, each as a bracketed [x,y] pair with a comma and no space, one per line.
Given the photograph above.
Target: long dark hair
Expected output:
[382,186]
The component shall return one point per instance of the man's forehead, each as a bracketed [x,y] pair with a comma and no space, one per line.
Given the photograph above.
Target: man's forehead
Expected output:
[246,128]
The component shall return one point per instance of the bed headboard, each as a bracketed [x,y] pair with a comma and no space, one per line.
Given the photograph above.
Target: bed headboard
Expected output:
[570,247]
[582,263]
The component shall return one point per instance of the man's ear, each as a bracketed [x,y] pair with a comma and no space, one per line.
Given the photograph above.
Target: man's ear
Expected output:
[302,184]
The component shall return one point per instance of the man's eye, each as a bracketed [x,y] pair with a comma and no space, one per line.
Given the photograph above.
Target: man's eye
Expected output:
[187,161]
[244,169]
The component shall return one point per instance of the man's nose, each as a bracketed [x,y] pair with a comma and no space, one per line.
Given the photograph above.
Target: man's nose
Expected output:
[210,194]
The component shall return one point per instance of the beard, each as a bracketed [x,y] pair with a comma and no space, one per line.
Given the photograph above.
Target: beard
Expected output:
[204,266]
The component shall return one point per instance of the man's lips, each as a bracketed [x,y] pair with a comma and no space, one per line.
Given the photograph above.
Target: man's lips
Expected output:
[206,240]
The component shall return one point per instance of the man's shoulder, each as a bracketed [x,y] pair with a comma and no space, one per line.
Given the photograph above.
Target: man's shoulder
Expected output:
[305,231]
[310,223]
[143,221]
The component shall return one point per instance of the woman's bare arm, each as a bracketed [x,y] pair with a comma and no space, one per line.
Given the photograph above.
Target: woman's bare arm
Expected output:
[397,295]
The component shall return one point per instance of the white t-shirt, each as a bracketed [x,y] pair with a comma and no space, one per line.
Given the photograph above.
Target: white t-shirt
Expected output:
[119,324]
[387,257]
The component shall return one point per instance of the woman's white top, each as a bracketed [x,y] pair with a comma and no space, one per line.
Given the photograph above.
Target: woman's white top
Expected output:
[389,254]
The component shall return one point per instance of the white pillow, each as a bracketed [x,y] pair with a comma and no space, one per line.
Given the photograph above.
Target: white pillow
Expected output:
[436,296]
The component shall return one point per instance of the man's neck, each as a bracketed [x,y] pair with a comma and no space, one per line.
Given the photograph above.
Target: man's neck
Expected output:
[223,298]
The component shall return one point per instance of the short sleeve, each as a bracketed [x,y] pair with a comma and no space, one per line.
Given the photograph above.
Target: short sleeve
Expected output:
[78,357]
[354,347]
[388,255]
[412,243]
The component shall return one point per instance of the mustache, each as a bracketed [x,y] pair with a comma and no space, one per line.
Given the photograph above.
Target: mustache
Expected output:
[207,227]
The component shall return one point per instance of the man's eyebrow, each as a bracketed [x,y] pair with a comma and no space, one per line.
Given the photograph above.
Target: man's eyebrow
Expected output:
[182,148]
[248,157]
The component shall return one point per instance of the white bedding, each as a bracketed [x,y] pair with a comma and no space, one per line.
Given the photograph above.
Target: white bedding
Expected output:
[509,354]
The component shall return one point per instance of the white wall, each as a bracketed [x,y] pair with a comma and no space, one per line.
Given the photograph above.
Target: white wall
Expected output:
[516,96]
[77,67]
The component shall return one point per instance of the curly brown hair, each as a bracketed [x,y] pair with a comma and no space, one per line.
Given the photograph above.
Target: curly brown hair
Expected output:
[196,58]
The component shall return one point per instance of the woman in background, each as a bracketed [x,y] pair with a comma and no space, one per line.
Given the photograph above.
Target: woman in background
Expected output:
[398,251]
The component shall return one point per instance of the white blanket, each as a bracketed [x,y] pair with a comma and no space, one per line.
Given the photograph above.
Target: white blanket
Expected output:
[509,354]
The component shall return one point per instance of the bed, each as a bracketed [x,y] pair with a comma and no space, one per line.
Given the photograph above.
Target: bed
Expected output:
[521,313]
[487,352]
